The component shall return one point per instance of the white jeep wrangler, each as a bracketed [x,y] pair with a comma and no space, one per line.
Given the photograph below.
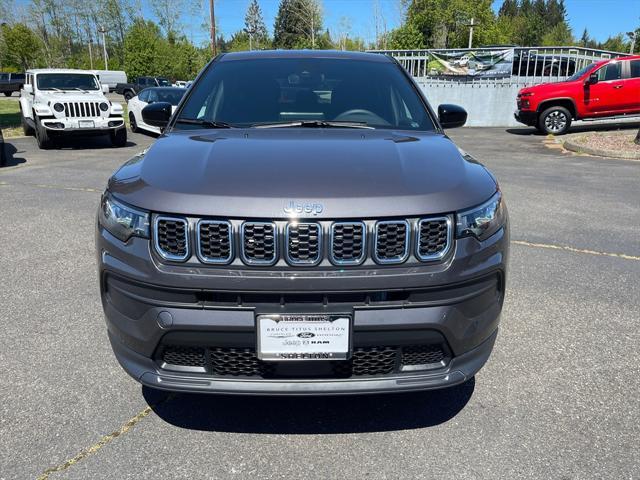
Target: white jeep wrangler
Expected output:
[55,103]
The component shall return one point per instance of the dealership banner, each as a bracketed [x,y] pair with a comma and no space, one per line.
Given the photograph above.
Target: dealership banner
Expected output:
[471,63]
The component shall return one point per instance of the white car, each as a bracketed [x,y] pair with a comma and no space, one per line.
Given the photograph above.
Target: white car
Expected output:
[56,103]
[171,95]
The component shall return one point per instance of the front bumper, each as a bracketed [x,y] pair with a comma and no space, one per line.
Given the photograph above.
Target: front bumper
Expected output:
[455,305]
[75,126]
[527,117]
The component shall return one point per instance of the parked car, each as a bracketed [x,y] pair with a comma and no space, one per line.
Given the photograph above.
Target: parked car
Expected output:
[111,78]
[180,84]
[3,156]
[56,103]
[130,90]
[148,96]
[11,82]
[335,243]
[605,89]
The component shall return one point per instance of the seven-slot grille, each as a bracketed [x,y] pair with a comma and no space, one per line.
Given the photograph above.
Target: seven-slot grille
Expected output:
[81,109]
[391,241]
[429,239]
[172,238]
[348,242]
[215,241]
[433,238]
[259,243]
[304,243]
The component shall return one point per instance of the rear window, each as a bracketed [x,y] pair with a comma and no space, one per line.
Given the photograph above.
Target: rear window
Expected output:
[271,90]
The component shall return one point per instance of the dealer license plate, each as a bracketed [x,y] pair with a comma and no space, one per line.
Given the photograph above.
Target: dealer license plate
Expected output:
[303,337]
[86,123]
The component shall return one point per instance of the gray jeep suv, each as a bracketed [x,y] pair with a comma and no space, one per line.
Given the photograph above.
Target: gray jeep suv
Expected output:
[302,226]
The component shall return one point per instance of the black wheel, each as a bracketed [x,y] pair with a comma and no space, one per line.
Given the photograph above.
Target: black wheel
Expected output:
[128,96]
[26,128]
[555,120]
[7,94]
[132,123]
[3,155]
[119,137]
[42,136]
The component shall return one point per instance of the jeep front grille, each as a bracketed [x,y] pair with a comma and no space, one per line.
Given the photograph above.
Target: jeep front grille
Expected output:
[259,243]
[391,241]
[215,241]
[81,109]
[304,243]
[172,238]
[348,243]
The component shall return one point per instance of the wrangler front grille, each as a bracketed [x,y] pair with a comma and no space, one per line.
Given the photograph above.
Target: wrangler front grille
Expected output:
[81,109]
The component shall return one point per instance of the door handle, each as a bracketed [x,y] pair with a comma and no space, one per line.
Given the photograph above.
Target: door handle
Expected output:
[617,87]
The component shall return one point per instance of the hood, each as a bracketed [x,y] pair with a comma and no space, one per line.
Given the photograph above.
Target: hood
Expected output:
[335,173]
[70,97]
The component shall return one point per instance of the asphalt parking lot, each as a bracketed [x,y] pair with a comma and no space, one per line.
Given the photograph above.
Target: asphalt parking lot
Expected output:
[558,398]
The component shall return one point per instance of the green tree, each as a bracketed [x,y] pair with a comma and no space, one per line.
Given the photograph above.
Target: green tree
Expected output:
[298,23]
[406,37]
[616,43]
[20,46]
[255,26]
[145,49]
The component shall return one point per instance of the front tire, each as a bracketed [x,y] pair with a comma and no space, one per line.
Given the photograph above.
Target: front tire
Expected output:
[7,94]
[119,137]
[128,96]
[555,120]
[42,136]
[132,123]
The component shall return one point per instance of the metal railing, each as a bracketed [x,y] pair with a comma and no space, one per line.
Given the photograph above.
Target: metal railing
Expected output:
[514,65]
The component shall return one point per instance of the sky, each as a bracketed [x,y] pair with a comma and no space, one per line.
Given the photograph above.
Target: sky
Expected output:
[601,17]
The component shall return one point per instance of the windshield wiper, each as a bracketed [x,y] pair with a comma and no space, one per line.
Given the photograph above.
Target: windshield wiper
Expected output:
[80,89]
[314,124]
[204,123]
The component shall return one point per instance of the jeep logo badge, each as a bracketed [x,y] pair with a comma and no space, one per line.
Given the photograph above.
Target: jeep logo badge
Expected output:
[293,208]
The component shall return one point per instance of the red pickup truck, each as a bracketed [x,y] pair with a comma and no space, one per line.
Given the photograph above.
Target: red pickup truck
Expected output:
[605,89]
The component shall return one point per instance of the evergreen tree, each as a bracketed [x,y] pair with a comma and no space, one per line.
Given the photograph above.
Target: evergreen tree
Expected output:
[298,24]
[509,8]
[255,26]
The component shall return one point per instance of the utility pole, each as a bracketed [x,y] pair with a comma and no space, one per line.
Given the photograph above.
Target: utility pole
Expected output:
[103,30]
[471,25]
[91,53]
[632,36]
[212,19]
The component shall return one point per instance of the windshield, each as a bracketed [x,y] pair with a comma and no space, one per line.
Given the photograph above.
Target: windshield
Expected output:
[577,75]
[67,81]
[255,92]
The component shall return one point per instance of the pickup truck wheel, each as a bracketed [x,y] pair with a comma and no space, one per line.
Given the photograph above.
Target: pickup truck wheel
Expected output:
[119,137]
[42,136]
[7,94]
[132,123]
[128,96]
[555,120]
[26,128]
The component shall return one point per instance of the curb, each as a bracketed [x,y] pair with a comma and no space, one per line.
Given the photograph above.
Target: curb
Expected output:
[576,147]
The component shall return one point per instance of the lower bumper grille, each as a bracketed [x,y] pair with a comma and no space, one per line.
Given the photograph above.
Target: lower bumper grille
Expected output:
[365,361]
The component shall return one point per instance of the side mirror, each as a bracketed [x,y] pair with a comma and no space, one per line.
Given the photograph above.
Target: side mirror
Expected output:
[451,116]
[27,88]
[157,114]
[105,88]
[593,79]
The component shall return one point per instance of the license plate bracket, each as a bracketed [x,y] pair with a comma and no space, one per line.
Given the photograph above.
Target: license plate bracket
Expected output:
[302,337]
[86,123]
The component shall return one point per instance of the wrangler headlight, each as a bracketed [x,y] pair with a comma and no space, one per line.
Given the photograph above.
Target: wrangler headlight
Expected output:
[122,221]
[484,220]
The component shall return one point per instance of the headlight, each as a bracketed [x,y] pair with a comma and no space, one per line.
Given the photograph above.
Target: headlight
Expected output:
[122,221]
[58,107]
[104,106]
[484,220]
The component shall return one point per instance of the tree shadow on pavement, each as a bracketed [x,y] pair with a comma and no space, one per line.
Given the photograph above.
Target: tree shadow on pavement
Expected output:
[310,415]
[579,128]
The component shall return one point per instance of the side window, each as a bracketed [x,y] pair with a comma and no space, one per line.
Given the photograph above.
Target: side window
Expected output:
[611,71]
[635,68]
[143,95]
[153,96]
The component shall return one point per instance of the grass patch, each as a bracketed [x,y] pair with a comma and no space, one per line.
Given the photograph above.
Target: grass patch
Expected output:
[10,118]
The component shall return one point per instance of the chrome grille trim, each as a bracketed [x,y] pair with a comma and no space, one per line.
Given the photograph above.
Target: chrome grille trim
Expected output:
[167,255]
[253,261]
[447,248]
[81,109]
[211,260]
[399,258]
[293,261]
[363,253]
